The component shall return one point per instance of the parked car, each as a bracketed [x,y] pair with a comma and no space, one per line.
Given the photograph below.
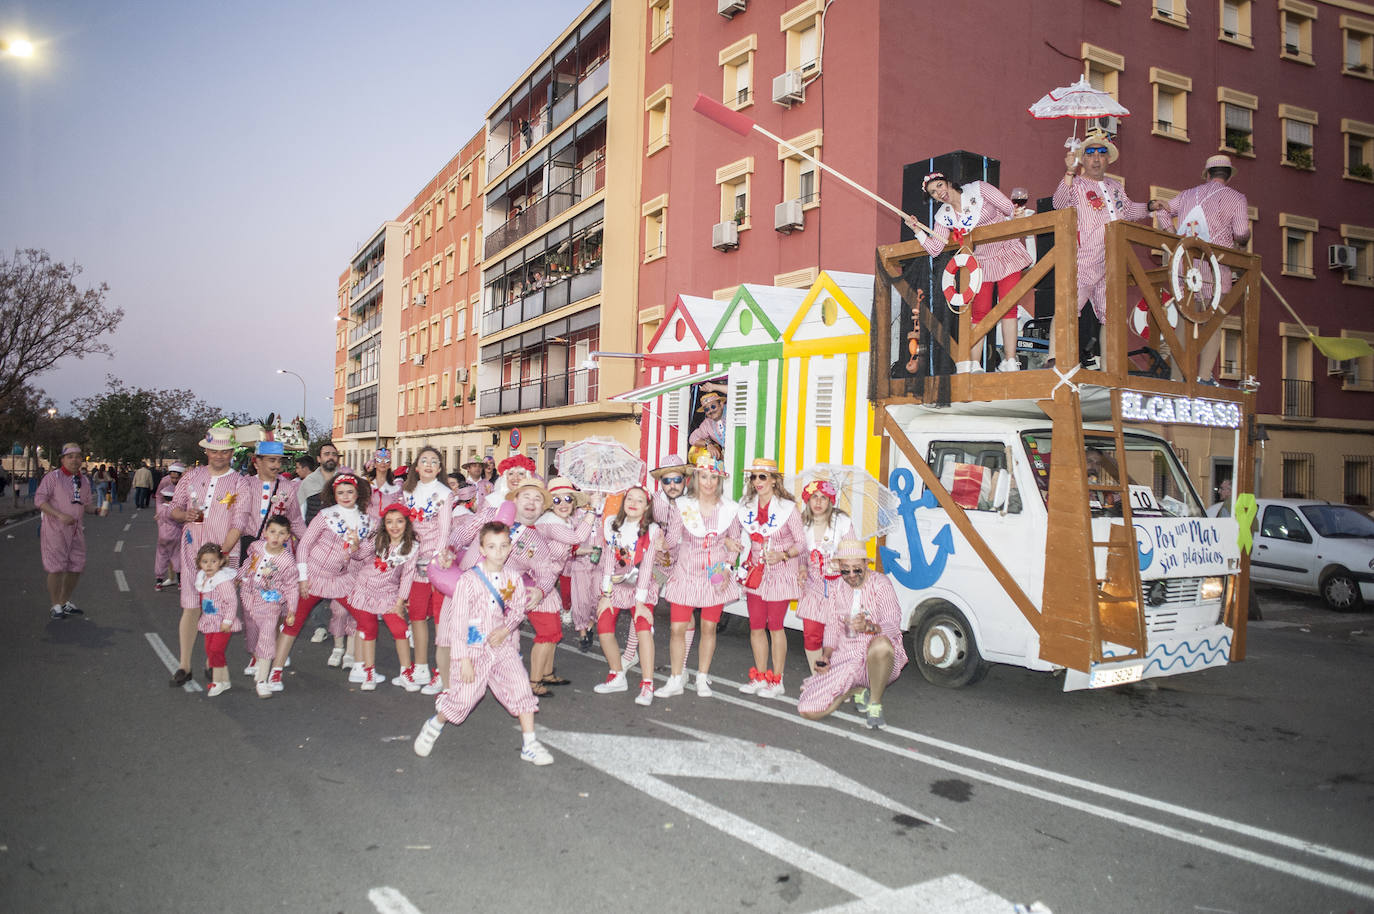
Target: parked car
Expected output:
[1315,547]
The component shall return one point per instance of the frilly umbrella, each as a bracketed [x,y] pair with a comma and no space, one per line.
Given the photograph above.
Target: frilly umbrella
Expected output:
[871,506]
[1078,101]
[600,464]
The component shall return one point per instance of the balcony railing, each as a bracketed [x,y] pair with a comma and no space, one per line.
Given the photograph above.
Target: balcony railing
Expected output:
[570,388]
[559,290]
[501,155]
[364,281]
[360,425]
[585,181]
[366,328]
[1297,399]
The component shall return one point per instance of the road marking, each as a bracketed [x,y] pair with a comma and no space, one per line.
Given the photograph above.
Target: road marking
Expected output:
[952,894]
[121,582]
[119,545]
[20,523]
[169,661]
[128,525]
[1279,865]
[641,761]
[389,901]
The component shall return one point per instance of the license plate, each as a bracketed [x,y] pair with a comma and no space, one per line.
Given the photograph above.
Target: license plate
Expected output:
[1116,676]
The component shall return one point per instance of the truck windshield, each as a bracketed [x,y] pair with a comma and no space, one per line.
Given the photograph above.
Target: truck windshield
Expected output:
[1158,485]
[1338,521]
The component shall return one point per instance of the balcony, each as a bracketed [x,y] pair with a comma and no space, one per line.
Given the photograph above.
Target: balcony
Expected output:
[570,388]
[365,329]
[585,180]
[558,290]
[511,139]
[1298,399]
[367,279]
[361,425]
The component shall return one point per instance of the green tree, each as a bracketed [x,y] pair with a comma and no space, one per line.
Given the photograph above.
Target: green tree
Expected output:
[130,424]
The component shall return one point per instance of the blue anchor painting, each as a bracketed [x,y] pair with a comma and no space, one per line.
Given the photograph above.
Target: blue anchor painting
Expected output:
[919,572]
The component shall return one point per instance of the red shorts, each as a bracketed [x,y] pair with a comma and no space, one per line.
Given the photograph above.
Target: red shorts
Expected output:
[565,589]
[548,627]
[679,613]
[215,645]
[424,602]
[368,623]
[765,613]
[813,635]
[303,608]
[982,302]
[605,623]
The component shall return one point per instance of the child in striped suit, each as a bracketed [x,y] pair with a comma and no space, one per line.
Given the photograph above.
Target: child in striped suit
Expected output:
[487,608]
[219,612]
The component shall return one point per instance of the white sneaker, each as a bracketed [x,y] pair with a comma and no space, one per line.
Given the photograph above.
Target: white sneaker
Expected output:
[320,635]
[347,660]
[370,680]
[704,686]
[629,659]
[615,682]
[274,680]
[217,688]
[536,753]
[357,673]
[672,687]
[646,694]
[771,691]
[752,686]
[434,687]
[406,680]
[424,742]
[251,668]
[335,657]
[1009,365]
[968,368]
[264,689]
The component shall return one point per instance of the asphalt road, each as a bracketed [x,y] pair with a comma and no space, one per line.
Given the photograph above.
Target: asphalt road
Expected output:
[1242,789]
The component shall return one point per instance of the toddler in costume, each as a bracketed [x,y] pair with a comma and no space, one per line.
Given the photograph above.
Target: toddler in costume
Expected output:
[219,612]
[268,588]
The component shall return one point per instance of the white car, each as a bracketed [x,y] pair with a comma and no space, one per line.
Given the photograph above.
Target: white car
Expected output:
[1315,547]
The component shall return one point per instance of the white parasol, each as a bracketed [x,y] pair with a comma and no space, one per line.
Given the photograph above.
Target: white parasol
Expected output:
[600,464]
[1078,101]
[871,505]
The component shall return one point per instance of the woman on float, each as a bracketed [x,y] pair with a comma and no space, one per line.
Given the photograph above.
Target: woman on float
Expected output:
[704,535]
[826,526]
[327,560]
[627,582]
[562,532]
[770,520]
[966,207]
[426,497]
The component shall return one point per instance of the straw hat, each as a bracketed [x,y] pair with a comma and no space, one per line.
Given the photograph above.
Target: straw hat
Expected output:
[218,439]
[850,550]
[561,485]
[672,464]
[763,465]
[708,398]
[707,464]
[473,461]
[1218,161]
[532,482]
[1097,138]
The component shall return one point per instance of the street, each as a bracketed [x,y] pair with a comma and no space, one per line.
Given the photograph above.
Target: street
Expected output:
[1247,788]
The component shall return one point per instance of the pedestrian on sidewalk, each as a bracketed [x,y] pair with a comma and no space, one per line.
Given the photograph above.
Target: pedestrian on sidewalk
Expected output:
[143,485]
[64,496]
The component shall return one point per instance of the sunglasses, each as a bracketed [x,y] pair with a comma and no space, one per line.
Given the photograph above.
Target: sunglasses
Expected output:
[673,480]
[564,499]
[851,572]
[1098,150]
[757,476]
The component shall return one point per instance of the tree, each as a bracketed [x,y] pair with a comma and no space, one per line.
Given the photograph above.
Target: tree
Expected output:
[45,318]
[129,424]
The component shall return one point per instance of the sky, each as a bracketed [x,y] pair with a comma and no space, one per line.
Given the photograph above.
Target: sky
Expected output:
[218,164]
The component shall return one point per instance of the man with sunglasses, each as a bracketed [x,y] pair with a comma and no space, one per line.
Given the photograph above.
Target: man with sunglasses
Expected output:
[863,652]
[1098,200]
[672,476]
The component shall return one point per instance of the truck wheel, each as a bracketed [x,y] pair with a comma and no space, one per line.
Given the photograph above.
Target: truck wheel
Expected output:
[945,651]
[1341,591]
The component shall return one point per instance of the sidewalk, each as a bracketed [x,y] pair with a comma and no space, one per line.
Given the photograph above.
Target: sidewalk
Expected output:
[11,513]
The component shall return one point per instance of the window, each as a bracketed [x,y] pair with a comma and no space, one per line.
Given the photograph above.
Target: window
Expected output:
[800,178]
[401,402]
[1357,477]
[1298,232]
[975,473]
[1298,127]
[733,180]
[1174,12]
[1103,67]
[448,264]
[801,26]
[1171,103]
[1359,374]
[462,323]
[429,222]
[452,199]
[1251,214]
[438,212]
[463,254]
[1232,352]
[476,244]
[1295,30]
[1359,149]
[403,348]
[438,273]
[655,214]
[1362,240]
[1235,22]
[661,23]
[434,334]
[737,67]
[445,394]
[433,393]
[467,188]
[1357,40]
[1297,370]
[657,106]
[1237,121]
[1297,483]
[407,241]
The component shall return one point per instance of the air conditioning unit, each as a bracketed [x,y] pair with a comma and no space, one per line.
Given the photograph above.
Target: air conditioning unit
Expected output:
[462,376]
[1107,123]
[728,8]
[420,300]
[725,236]
[417,359]
[788,88]
[1341,257]
[787,216]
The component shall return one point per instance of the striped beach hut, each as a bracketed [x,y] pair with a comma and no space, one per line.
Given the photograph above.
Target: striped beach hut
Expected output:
[747,343]
[827,417]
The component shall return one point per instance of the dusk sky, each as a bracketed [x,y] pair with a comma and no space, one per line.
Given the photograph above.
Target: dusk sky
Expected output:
[217,164]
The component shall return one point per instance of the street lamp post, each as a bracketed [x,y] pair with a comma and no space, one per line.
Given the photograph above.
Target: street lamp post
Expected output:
[303,391]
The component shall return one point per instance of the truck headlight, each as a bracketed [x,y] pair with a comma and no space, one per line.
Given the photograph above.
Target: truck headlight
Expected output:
[1212,589]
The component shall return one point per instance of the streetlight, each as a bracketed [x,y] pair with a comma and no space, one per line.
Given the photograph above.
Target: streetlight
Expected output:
[303,392]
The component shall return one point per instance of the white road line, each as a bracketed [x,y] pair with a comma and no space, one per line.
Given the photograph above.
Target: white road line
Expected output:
[128,525]
[389,901]
[20,523]
[1287,841]
[119,545]
[121,582]
[168,660]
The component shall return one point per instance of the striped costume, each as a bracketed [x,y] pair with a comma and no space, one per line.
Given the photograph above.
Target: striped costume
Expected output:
[848,667]
[269,587]
[1097,203]
[466,626]
[217,497]
[63,546]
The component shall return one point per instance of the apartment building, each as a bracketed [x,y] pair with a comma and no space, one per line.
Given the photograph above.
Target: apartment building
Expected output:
[369,323]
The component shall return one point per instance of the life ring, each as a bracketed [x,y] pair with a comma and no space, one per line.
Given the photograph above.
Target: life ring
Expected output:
[1186,280]
[1140,318]
[950,282]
